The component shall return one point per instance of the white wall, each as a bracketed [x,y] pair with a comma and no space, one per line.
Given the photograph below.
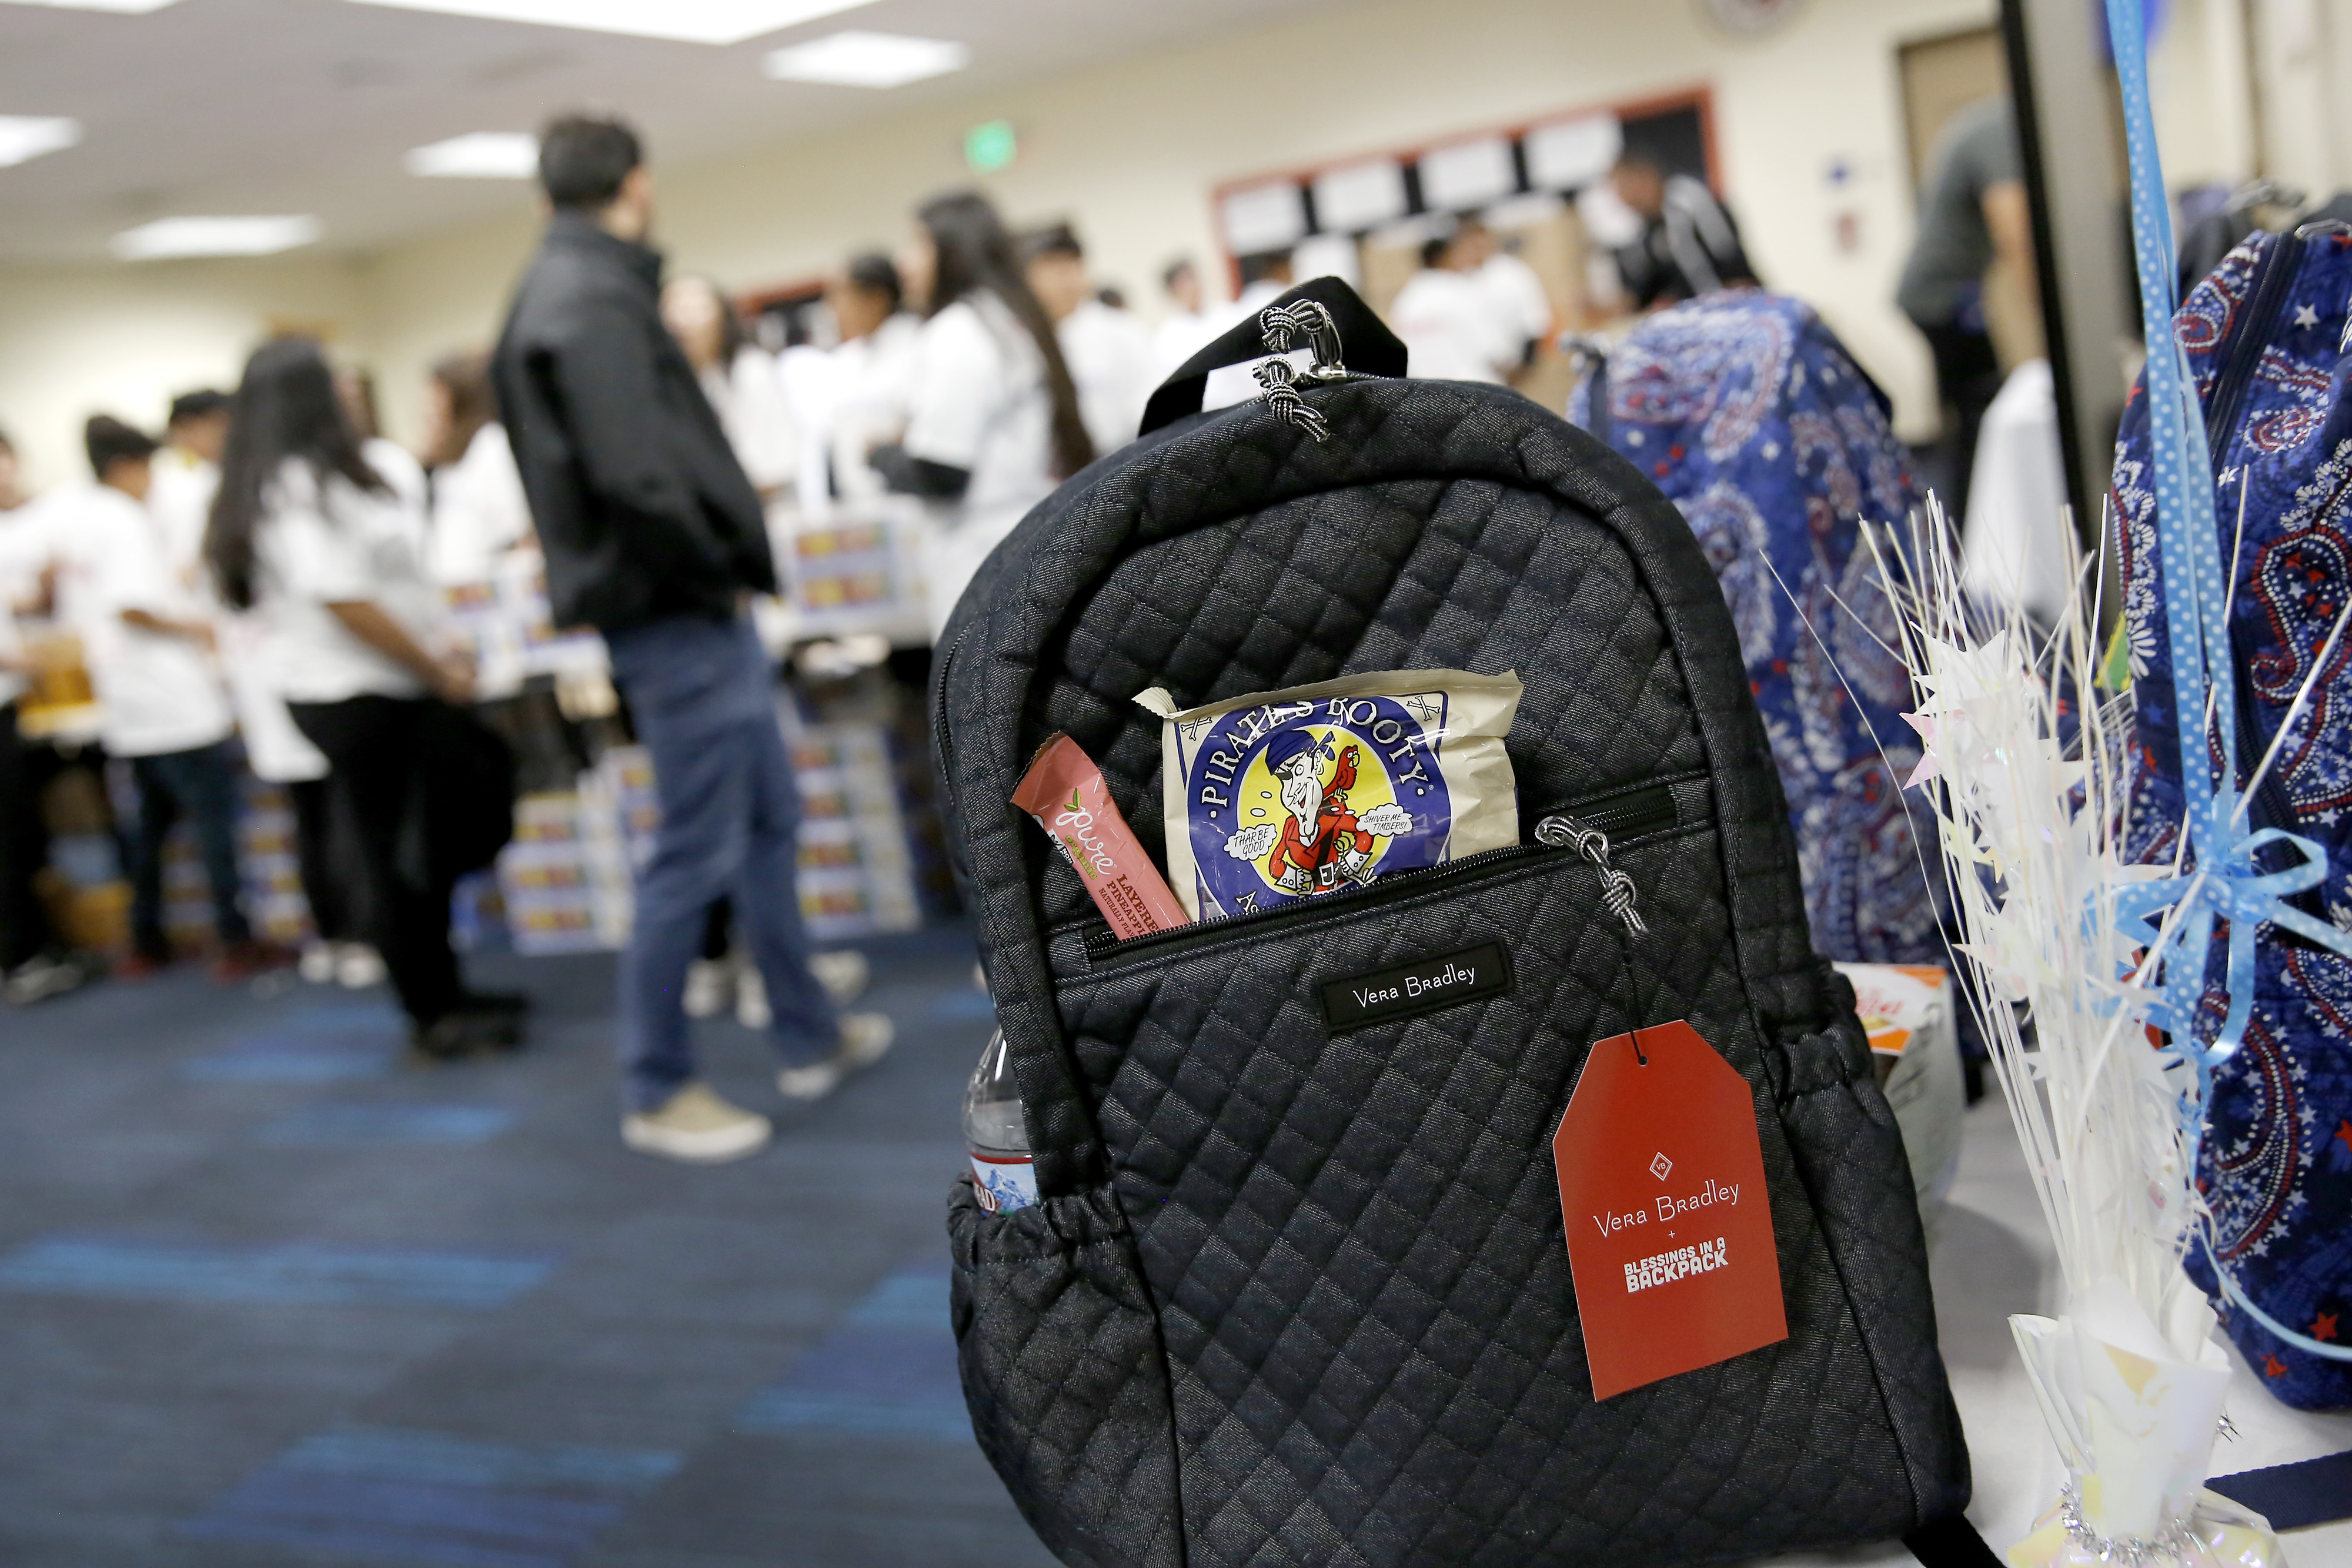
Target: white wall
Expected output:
[1131,152]
[2200,81]
[2302,49]
[123,339]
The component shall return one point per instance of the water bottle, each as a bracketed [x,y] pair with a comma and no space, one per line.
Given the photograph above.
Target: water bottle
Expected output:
[1002,1171]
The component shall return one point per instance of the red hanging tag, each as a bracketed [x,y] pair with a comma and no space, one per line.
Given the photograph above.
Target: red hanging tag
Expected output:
[1669,1231]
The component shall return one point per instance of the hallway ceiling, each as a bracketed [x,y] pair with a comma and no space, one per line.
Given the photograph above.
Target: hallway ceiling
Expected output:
[308,107]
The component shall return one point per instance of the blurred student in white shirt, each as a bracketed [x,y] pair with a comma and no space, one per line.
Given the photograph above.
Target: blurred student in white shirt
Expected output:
[1186,330]
[394,463]
[149,640]
[1445,316]
[310,540]
[1266,278]
[187,471]
[995,423]
[739,378]
[1515,295]
[1109,351]
[869,379]
[34,965]
[479,511]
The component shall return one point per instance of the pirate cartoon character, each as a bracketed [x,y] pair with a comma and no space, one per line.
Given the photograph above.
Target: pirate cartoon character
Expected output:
[1322,841]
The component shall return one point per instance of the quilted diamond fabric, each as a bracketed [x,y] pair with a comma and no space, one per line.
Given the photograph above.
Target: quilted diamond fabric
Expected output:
[1297,1299]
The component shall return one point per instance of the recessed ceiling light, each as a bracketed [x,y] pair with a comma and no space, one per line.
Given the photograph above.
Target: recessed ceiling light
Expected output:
[24,136]
[477,155]
[125,7]
[168,237]
[687,21]
[866,59]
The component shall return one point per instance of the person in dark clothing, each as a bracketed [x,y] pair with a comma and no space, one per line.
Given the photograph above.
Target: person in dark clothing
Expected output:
[1973,212]
[1689,244]
[33,965]
[307,538]
[654,537]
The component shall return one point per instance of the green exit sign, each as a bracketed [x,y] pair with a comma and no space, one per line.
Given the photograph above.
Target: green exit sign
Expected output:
[990,147]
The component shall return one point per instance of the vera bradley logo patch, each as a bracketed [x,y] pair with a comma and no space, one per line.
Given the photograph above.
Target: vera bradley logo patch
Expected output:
[1424,986]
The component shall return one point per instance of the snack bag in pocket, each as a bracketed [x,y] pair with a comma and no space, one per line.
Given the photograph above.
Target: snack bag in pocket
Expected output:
[1282,796]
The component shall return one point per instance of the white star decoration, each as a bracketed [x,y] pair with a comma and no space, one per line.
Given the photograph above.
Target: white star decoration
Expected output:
[2304,316]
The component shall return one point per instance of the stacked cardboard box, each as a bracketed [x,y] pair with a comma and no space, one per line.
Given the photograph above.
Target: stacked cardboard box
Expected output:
[478,914]
[88,901]
[624,777]
[504,622]
[856,872]
[269,855]
[856,570]
[269,866]
[565,880]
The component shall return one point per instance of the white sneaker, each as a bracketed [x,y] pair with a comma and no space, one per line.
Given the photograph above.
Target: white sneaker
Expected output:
[864,1041]
[752,1008]
[814,1081]
[696,1125]
[842,975]
[865,1038]
[706,986]
[318,963]
[358,967]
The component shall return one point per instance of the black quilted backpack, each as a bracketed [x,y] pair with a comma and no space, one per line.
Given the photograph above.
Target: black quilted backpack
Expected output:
[1296,1298]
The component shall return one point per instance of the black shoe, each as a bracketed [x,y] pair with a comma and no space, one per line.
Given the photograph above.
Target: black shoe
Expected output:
[503,1024]
[453,1036]
[494,1002]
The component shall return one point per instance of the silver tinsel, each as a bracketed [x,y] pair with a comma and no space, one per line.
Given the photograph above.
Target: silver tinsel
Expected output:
[2173,1544]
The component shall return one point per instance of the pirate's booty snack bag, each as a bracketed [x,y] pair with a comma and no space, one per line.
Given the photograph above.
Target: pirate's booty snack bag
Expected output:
[1288,795]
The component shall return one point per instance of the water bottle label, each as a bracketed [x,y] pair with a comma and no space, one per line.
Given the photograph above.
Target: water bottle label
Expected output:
[1005,1182]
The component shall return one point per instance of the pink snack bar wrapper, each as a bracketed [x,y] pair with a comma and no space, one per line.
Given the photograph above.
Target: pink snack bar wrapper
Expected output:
[1064,791]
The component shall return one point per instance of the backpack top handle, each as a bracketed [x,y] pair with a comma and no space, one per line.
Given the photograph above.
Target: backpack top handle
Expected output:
[1348,331]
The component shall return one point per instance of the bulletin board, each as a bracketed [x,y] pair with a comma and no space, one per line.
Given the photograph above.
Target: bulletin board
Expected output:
[1364,216]
[1557,154]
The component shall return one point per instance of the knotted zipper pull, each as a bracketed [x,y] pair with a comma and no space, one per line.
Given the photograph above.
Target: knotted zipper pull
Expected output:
[1277,382]
[1616,887]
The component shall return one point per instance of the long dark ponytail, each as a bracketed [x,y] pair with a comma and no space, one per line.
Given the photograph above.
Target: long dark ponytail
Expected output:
[976,252]
[286,407]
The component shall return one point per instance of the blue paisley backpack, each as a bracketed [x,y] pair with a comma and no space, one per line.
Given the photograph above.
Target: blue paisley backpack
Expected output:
[1746,411]
[2265,335]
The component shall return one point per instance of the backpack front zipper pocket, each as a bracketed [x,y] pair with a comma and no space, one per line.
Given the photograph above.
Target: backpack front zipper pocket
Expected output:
[1591,829]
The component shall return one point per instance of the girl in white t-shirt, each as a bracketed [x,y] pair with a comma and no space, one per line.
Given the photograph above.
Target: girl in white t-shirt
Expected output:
[312,541]
[479,511]
[739,378]
[994,422]
[864,394]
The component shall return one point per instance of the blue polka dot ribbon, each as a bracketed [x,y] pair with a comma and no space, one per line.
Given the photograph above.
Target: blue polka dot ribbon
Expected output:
[2226,882]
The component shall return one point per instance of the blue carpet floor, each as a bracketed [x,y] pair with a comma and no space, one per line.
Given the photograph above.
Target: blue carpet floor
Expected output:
[270,1294]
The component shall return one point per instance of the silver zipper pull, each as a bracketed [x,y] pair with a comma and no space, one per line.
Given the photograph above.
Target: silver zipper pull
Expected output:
[1616,887]
[1277,385]
[1277,382]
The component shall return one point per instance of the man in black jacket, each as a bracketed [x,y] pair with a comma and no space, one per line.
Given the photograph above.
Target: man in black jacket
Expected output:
[654,537]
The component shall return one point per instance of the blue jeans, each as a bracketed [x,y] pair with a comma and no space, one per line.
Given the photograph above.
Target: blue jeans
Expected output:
[200,785]
[703,703]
